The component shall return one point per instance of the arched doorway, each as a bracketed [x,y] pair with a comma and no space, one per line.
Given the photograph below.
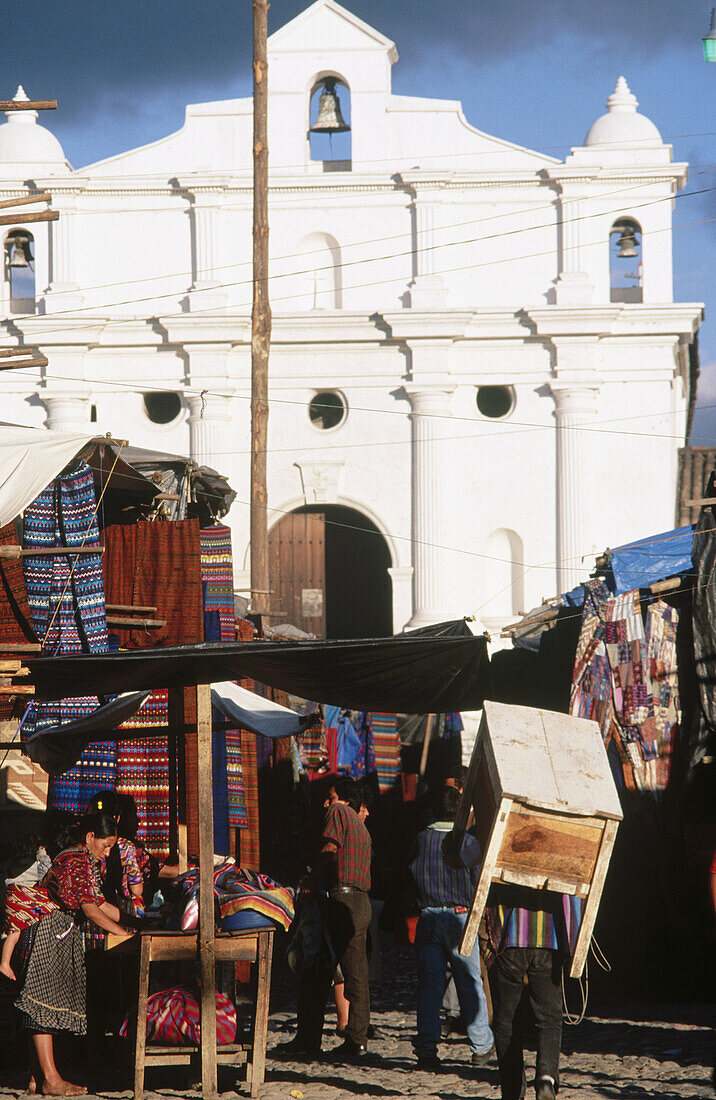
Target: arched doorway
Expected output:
[328,573]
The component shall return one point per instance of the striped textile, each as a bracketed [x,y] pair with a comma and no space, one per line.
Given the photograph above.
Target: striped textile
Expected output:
[217,574]
[555,927]
[386,742]
[237,889]
[143,773]
[174,1018]
[15,620]
[236,795]
[250,850]
[66,601]
[25,905]
[661,626]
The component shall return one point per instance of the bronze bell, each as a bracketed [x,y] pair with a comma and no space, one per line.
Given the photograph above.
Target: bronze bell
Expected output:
[329,120]
[627,241]
[19,252]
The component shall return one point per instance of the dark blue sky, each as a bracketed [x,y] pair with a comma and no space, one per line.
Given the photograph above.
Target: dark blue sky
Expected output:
[536,72]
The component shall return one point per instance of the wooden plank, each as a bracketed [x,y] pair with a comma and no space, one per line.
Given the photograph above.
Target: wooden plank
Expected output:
[28,104]
[140,1043]
[11,552]
[589,915]
[118,621]
[467,797]
[540,881]
[15,219]
[431,722]
[552,760]
[483,884]
[20,647]
[18,349]
[17,689]
[11,665]
[207,964]
[257,1067]
[130,608]
[550,845]
[12,364]
[484,803]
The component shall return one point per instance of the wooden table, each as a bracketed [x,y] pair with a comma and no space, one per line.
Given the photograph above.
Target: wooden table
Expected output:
[253,945]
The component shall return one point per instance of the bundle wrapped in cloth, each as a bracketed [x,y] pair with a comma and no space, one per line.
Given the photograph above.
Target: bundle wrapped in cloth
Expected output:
[238,891]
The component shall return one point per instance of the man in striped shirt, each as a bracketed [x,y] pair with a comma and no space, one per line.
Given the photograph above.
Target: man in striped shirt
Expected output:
[445,896]
[530,934]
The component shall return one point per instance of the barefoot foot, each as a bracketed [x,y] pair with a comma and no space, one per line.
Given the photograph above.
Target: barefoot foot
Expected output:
[62,1088]
[32,1086]
[8,971]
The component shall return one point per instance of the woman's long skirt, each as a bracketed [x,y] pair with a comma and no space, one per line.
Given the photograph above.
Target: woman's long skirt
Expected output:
[54,983]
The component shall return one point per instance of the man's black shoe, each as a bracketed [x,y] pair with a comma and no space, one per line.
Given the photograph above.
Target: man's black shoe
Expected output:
[544,1089]
[295,1048]
[428,1061]
[349,1051]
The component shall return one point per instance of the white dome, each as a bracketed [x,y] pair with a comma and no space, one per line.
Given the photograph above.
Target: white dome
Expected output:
[622,126]
[24,143]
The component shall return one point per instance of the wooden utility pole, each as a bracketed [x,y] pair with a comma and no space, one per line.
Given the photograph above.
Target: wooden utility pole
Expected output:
[260,317]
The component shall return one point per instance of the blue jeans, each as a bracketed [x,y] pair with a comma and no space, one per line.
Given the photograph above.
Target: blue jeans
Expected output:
[437,940]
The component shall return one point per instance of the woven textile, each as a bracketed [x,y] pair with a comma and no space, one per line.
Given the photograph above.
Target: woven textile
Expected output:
[386,742]
[250,854]
[236,795]
[25,905]
[174,1018]
[66,601]
[15,620]
[236,890]
[143,772]
[364,763]
[591,694]
[217,574]
[661,625]
[156,565]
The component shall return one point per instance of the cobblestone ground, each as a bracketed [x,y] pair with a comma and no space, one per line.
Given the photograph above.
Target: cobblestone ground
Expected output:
[659,1051]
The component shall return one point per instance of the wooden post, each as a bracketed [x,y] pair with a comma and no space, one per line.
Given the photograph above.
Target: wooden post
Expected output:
[260,317]
[207,961]
[429,727]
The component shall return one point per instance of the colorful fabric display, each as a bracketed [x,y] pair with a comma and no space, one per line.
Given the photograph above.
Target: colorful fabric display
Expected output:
[237,889]
[661,625]
[591,695]
[386,742]
[174,1018]
[66,600]
[15,619]
[364,762]
[236,794]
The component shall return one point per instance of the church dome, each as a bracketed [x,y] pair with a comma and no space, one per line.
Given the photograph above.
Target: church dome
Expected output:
[622,127]
[24,144]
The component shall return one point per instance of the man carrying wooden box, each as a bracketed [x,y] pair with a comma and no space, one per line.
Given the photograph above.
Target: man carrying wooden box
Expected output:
[546,813]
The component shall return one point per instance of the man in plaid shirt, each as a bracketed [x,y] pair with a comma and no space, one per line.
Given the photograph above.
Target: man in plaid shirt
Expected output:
[344,871]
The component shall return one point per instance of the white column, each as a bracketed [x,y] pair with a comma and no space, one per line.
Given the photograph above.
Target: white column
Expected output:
[67,412]
[64,291]
[575,407]
[427,290]
[573,284]
[402,581]
[209,420]
[206,291]
[432,500]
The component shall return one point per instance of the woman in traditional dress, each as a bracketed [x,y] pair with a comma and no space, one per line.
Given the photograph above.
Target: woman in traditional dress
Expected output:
[52,997]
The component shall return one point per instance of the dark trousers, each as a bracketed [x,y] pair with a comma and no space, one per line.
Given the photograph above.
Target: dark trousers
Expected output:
[543,969]
[346,916]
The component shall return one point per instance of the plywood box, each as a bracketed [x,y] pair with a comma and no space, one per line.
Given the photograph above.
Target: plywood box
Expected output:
[546,809]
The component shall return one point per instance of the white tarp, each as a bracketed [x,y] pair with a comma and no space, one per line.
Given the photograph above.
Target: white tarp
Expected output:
[30,458]
[253,712]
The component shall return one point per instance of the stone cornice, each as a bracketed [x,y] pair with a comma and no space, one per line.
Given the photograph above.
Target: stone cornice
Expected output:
[675,318]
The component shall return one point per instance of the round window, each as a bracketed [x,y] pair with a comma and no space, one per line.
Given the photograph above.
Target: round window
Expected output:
[495,401]
[162,408]
[327,409]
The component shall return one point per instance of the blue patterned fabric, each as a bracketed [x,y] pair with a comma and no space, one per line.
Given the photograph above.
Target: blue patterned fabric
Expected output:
[66,599]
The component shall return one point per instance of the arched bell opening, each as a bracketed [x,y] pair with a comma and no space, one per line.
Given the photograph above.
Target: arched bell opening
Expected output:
[329,125]
[625,261]
[19,253]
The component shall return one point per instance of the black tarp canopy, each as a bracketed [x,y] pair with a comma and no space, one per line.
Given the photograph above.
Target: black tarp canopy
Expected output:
[405,673]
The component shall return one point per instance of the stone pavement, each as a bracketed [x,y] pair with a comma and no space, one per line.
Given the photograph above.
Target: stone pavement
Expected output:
[660,1051]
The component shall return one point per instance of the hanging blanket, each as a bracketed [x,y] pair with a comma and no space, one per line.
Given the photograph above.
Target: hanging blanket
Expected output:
[386,742]
[591,695]
[66,600]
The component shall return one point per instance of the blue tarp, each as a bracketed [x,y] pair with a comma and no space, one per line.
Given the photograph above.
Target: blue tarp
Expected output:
[639,564]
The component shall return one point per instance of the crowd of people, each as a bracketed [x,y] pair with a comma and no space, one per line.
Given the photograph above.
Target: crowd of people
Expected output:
[529,935]
[101,880]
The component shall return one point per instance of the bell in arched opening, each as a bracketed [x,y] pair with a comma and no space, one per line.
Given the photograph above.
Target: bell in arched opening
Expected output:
[329,120]
[18,251]
[627,241]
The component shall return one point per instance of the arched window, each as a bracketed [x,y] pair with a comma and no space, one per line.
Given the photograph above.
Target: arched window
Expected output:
[329,124]
[503,576]
[19,253]
[625,266]
[321,274]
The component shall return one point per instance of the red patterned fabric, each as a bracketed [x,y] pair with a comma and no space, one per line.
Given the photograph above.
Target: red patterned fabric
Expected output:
[74,880]
[174,1017]
[26,905]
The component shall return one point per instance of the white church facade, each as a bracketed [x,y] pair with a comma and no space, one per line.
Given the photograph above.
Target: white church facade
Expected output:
[475,353]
